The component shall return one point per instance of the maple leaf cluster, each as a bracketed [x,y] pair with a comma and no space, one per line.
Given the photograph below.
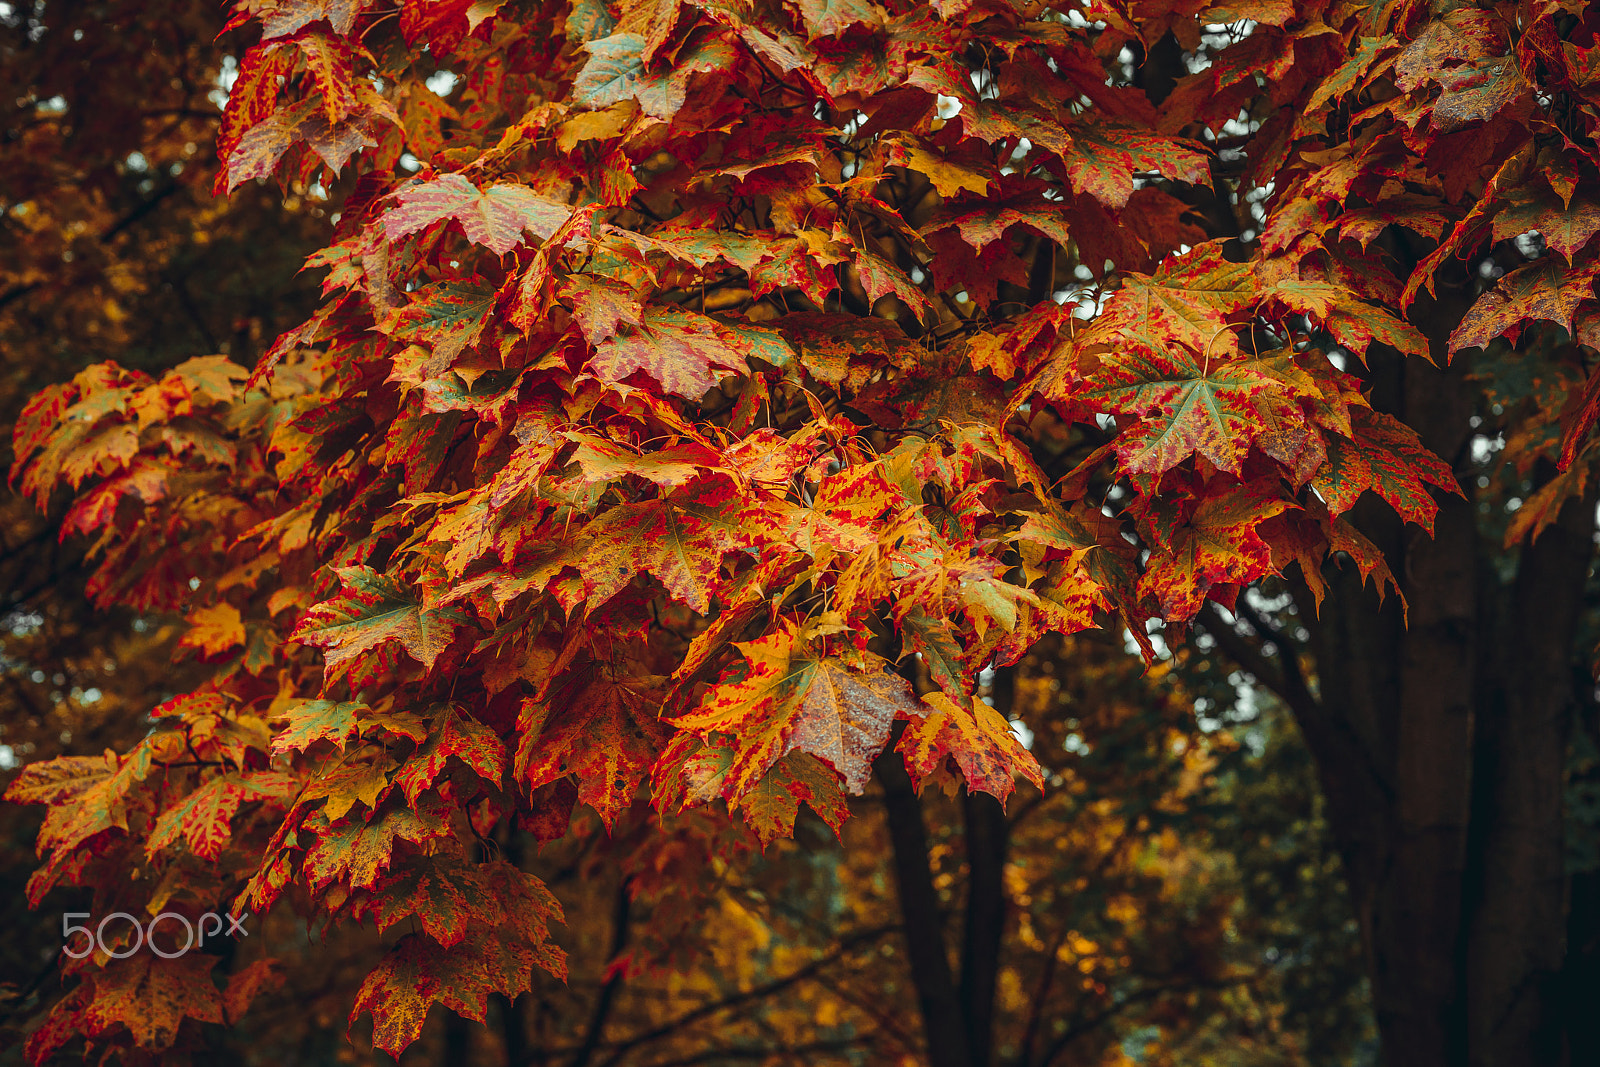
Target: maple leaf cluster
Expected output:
[695,377]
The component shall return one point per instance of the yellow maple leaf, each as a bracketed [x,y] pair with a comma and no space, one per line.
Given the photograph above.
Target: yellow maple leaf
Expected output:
[214,630]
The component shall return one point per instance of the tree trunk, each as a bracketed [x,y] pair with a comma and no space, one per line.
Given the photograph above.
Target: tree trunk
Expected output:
[1392,733]
[1440,742]
[1517,932]
[987,834]
[927,957]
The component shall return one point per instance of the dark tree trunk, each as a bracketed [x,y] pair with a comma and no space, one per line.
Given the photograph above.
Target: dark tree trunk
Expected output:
[457,1047]
[927,957]
[1517,932]
[985,823]
[987,833]
[1580,979]
[1440,742]
[1580,984]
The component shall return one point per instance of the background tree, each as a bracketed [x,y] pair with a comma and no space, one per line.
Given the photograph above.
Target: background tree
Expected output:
[111,246]
[849,338]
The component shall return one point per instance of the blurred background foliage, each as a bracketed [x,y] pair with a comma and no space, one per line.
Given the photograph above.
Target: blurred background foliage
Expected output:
[1172,899]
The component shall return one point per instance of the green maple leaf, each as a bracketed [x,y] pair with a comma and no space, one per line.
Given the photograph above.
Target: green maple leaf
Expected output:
[311,721]
[372,609]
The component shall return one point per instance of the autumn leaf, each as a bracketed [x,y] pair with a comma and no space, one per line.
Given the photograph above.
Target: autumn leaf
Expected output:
[417,973]
[976,736]
[1545,289]
[310,721]
[203,818]
[948,177]
[770,808]
[370,610]
[449,318]
[787,698]
[615,72]
[830,18]
[938,651]
[1541,510]
[1359,326]
[84,795]
[1219,544]
[684,352]
[603,731]
[442,24]
[358,851]
[674,364]
[329,64]
[263,145]
[244,985]
[1188,407]
[679,540]
[447,897]
[983,222]
[494,217]
[453,735]
[214,630]
[286,19]
[1190,299]
[1386,458]
[151,996]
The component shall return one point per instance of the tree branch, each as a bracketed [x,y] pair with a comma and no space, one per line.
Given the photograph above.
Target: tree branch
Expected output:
[1094,1022]
[777,985]
[608,991]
